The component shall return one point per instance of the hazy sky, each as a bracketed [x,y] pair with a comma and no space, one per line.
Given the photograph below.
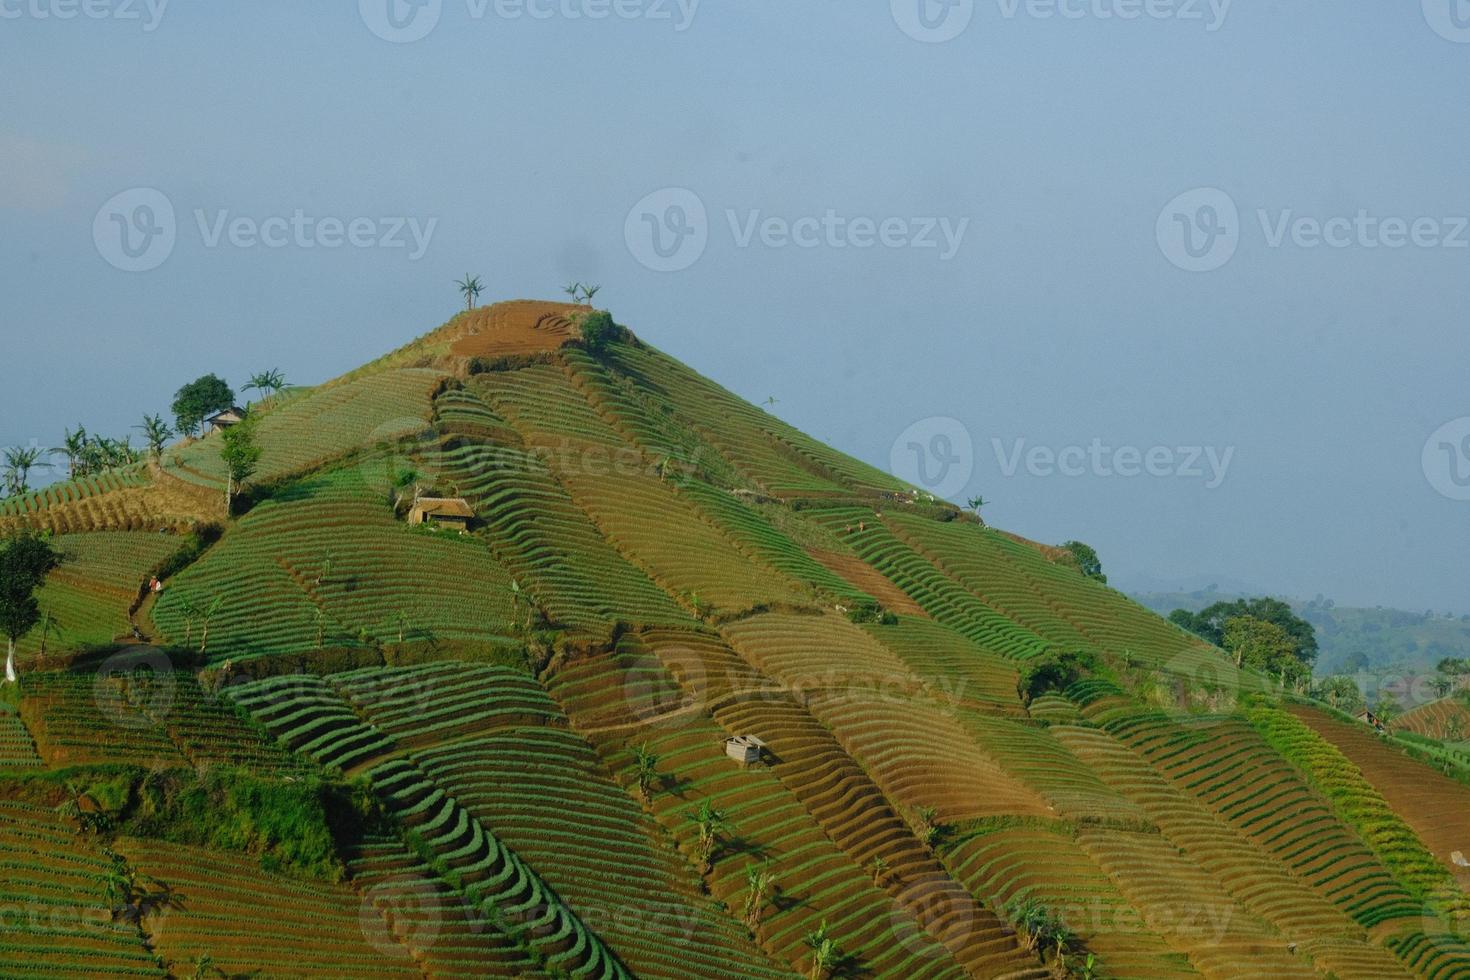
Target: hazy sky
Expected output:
[1042,151]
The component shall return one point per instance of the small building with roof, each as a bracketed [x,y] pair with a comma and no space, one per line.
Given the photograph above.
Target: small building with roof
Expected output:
[451,512]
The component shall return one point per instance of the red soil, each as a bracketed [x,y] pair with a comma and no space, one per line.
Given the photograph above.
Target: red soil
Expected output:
[516,327]
[870,580]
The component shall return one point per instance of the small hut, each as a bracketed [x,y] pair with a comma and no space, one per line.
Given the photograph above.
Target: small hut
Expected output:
[745,749]
[452,512]
[220,421]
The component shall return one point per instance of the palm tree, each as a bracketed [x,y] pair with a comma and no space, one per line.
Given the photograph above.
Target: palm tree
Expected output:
[880,870]
[976,503]
[157,433]
[573,289]
[760,884]
[826,954]
[711,824]
[207,615]
[471,287]
[267,382]
[74,447]
[18,464]
[645,768]
[588,292]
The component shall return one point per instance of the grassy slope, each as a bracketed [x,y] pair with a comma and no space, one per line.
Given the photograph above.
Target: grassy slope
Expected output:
[699,549]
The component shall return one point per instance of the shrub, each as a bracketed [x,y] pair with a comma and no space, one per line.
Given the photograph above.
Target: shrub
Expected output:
[599,331]
[1055,672]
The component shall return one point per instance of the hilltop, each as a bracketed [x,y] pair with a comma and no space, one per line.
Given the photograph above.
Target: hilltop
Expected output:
[692,695]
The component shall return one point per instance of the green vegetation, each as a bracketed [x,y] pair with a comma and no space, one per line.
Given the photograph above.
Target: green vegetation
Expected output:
[1088,563]
[198,400]
[241,456]
[25,561]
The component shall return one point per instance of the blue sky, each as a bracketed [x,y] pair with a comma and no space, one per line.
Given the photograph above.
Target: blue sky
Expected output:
[1059,151]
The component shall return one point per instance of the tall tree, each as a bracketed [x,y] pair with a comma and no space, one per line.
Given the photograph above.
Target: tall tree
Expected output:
[242,457]
[267,382]
[470,287]
[157,433]
[74,448]
[1088,563]
[1210,622]
[24,562]
[198,400]
[18,465]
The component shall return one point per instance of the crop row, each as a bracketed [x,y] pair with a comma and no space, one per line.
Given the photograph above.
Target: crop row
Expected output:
[328,565]
[54,917]
[86,599]
[72,491]
[1228,766]
[1355,799]
[17,748]
[312,428]
[576,578]
[308,715]
[941,597]
[313,929]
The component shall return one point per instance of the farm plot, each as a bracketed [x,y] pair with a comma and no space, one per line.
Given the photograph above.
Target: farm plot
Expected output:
[902,733]
[971,674]
[1228,766]
[310,429]
[459,411]
[555,552]
[1188,908]
[1358,803]
[1050,599]
[740,432]
[1446,719]
[1435,956]
[53,910]
[1438,809]
[652,526]
[941,597]
[767,824]
[17,748]
[75,491]
[448,935]
[313,929]
[543,405]
[1043,863]
[66,711]
[307,714]
[88,596]
[1257,882]
[495,741]
[856,815]
[325,564]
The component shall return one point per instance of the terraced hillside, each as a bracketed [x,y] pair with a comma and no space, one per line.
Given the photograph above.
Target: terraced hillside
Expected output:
[692,696]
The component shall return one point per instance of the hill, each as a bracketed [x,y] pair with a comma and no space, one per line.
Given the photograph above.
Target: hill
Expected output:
[692,696]
[1353,638]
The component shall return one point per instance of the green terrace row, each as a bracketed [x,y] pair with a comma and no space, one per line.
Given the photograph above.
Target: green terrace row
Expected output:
[73,491]
[327,565]
[555,552]
[312,428]
[1230,767]
[309,715]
